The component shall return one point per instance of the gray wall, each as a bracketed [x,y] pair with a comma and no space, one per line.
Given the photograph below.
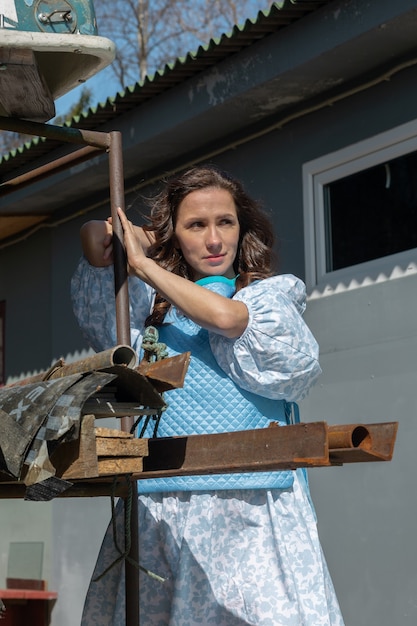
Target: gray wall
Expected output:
[366,511]
[25,281]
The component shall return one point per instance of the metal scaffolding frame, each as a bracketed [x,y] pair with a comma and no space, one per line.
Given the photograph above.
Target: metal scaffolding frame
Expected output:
[95,142]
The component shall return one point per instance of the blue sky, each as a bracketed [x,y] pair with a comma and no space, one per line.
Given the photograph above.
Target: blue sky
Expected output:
[104,85]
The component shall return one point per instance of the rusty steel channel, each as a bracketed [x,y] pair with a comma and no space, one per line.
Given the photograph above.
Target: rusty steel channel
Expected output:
[314,444]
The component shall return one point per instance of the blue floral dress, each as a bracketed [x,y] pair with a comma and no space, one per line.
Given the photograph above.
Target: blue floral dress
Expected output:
[229,550]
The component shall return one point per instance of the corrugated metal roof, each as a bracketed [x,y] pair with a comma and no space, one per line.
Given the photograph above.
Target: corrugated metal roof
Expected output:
[280,15]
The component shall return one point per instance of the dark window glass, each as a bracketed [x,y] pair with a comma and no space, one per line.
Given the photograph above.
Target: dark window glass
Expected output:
[371,214]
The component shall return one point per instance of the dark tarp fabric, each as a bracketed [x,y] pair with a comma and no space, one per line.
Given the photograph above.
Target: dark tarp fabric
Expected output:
[34,418]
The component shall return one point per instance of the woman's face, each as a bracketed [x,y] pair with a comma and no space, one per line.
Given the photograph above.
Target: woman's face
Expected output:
[207,231]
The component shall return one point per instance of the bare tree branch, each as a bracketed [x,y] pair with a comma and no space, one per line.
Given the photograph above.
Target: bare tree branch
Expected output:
[151,33]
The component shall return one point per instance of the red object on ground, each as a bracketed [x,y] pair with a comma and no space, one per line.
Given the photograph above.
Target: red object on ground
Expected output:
[26,607]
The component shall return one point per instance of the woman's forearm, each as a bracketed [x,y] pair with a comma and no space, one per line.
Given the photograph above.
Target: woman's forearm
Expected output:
[207,309]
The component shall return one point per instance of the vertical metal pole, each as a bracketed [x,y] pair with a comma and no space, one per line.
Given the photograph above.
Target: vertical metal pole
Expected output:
[123,336]
[120,268]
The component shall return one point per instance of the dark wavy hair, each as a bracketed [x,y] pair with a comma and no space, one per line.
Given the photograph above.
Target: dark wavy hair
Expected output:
[254,256]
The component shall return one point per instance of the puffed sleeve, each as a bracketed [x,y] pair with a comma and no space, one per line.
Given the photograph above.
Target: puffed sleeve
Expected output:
[277,355]
[93,301]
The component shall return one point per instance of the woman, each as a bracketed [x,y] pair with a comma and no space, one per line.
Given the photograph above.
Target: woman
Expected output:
[232,549]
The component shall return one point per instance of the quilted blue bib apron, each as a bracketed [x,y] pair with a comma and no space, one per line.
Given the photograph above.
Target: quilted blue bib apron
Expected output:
[210,402]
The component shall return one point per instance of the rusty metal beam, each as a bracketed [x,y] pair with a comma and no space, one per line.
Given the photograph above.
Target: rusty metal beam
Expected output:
[56,166]
[58,133]
[267,449]
[300,445]
[273,448]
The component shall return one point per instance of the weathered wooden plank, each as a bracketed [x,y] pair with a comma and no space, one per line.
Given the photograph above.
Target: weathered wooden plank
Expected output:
[123,447]
[114,466]
[101,431]
[84,465]
[24,92]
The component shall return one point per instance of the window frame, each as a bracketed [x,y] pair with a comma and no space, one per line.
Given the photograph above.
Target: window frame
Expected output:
[331,167]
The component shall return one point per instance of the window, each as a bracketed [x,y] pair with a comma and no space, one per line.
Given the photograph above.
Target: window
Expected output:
[360,208]
[2,335]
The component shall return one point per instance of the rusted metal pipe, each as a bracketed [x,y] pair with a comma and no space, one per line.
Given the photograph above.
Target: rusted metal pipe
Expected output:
[117,200]
[359,443]
[56,166]
[59,133]
[123,336]
[119,355]
[351,436]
